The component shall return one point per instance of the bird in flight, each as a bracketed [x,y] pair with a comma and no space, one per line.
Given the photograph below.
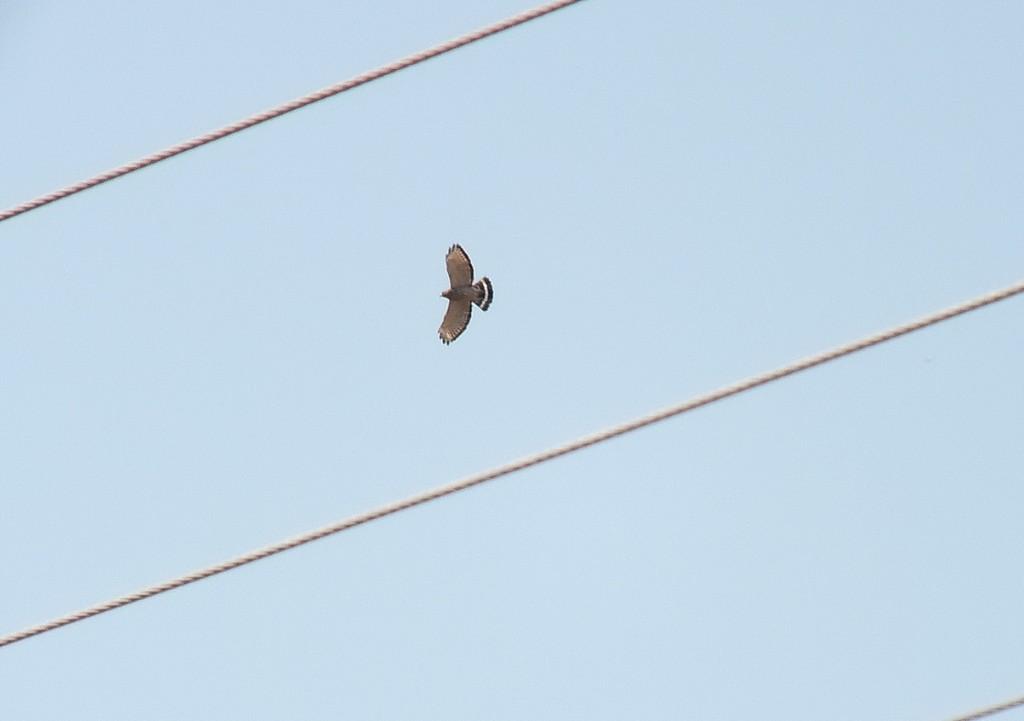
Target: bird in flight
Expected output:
[462,295]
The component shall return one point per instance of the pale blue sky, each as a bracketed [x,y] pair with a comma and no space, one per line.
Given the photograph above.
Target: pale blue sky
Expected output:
[239,345]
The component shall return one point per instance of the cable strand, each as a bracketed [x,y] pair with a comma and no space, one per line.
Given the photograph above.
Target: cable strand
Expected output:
[991,710]
[523,463]
[288,107]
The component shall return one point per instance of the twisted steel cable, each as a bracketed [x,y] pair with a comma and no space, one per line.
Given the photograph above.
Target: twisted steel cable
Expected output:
[991,710]
[524,463]
[305,100]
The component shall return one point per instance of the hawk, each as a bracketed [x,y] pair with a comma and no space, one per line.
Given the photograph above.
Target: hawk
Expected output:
[462,295]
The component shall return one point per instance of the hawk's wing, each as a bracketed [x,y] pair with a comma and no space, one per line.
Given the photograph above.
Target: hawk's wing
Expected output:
[456,318]
[460,269]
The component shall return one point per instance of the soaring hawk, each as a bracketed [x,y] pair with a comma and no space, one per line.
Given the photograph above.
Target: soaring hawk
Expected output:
[462,295]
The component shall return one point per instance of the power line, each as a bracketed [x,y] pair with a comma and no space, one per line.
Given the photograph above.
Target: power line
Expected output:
[523,463]
[991,710]
[305,100]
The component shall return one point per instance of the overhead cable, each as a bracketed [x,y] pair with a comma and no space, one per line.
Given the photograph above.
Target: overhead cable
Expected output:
[523,463]
[991,710]
[305,100]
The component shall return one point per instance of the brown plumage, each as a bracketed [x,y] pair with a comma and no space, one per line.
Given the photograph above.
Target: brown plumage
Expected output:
[462,294]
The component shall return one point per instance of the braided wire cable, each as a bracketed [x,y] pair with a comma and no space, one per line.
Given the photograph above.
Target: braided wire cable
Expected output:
[991,710]
[523,463]
[288,107]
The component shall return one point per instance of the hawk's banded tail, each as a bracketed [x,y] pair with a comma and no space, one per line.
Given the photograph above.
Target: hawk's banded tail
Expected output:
[485,292]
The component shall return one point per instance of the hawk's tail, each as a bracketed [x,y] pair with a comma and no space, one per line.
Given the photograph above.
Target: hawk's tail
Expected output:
[486,293]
